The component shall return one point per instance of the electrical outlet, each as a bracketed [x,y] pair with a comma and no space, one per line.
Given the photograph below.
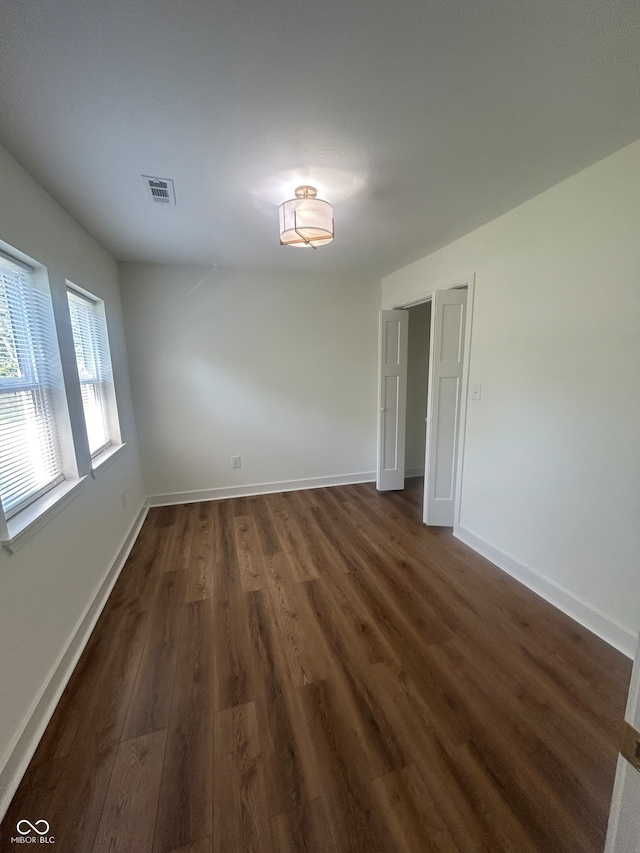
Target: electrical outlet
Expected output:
[236,462]
[123,495]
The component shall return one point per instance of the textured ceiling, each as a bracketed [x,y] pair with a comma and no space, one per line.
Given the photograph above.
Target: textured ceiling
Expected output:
[419,120]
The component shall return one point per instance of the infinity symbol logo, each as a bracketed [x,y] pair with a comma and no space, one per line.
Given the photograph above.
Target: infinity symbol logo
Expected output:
[31,827]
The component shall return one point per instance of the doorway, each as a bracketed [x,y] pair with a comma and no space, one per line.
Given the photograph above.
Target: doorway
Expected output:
[419,339]
[423,397]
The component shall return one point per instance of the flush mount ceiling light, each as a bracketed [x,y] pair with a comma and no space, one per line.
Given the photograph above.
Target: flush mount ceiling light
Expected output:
[306,220]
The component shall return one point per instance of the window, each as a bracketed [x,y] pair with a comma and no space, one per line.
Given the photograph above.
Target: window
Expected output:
[94,369]
[30,459]
[42,466]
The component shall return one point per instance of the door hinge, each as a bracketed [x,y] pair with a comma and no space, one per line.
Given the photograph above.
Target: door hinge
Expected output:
[630,745]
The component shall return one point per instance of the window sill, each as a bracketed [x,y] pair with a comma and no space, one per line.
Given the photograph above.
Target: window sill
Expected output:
[104,459]
[28,521]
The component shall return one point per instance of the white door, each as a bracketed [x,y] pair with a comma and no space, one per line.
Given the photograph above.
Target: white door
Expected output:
[623,835]
[392,398]
[448,316]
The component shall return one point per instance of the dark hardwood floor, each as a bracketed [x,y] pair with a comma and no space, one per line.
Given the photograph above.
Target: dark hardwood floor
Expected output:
[317,671]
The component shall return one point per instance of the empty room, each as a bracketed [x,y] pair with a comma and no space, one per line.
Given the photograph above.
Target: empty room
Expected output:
[332,550]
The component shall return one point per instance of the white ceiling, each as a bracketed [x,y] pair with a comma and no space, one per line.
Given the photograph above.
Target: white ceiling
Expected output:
[419,120]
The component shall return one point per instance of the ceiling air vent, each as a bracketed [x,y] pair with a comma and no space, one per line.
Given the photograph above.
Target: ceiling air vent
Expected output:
[159,190]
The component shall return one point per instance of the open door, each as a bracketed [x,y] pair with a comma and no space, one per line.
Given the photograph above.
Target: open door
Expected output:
[448,321]
[623,834]
[392,399]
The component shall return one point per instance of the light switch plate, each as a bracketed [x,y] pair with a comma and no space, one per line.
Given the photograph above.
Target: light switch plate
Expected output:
[476,388]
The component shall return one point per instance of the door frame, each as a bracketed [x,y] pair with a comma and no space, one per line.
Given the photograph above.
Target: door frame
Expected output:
[623,830]
[469,282]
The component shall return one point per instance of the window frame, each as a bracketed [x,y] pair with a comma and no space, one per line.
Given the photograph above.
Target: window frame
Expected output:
[41,390]
[105,382]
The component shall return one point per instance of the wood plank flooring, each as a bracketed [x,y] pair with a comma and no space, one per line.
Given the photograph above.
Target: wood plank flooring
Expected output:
[317,671]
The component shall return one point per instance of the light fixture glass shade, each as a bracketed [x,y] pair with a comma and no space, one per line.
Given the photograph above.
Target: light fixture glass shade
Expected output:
[306,220]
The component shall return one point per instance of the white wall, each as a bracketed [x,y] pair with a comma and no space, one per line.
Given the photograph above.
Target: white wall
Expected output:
[277,368]
[552,450]
[417,380]
[47,587]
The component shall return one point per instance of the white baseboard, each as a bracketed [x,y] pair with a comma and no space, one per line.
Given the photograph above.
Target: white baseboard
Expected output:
[414,472]
[586,614]
[260,489]
[42,710]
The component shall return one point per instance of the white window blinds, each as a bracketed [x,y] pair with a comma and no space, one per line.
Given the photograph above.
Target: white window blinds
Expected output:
[94,368]
[29,449]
